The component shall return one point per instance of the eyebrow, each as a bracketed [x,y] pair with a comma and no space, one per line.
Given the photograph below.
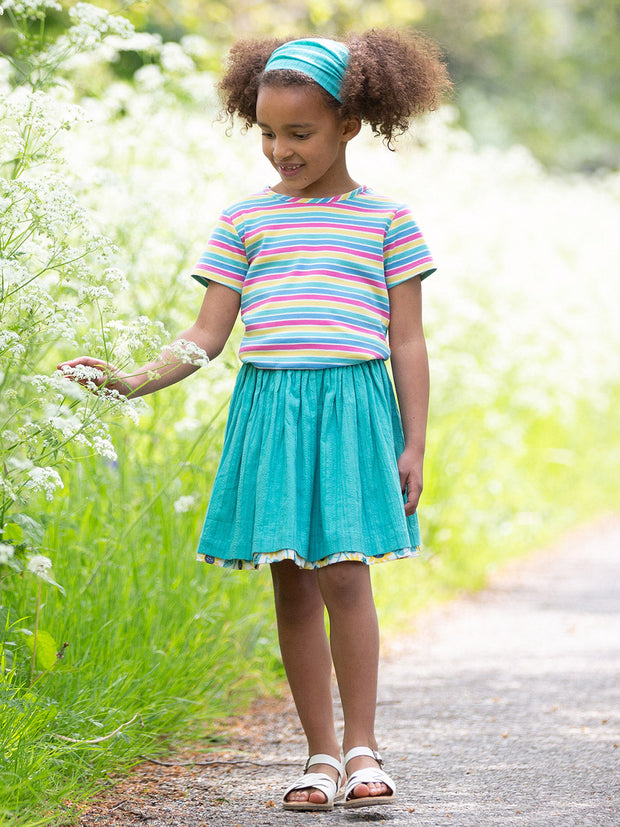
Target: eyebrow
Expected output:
[287,125]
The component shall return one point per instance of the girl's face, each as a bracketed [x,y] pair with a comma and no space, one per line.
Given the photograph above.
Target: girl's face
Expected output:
[305,141]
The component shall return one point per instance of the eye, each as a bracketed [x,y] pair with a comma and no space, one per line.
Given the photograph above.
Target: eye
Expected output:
[301,136]
[267,134]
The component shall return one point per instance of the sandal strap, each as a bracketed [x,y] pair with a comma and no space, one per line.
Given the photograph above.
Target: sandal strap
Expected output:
[357,751]
[319,780]
[323,758]
[368,775]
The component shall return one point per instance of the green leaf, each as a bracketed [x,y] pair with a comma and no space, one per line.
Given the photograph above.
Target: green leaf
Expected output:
[13,533]
[31,529]
[46,649]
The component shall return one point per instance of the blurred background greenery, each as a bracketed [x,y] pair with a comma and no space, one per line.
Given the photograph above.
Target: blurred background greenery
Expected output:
[544,73]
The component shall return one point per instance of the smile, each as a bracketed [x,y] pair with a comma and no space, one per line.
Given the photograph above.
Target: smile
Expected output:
[289,169]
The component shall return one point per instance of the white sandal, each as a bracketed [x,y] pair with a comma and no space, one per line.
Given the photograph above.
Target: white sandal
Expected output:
[317,781]
[368,775]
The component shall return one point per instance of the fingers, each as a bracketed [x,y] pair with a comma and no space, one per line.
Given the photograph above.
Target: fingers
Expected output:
[412,503]
[87,371]
[411,487]
[87,361]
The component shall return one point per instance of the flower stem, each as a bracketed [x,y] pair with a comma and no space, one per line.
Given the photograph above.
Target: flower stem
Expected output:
[36,631]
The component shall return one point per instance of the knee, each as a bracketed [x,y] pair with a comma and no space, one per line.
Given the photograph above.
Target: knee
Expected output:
[345,586]
[296,593]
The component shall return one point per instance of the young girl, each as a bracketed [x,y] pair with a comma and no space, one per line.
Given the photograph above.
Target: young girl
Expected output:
[321,473]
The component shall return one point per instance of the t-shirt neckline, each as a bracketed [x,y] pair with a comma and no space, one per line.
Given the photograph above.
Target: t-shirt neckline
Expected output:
[331,199]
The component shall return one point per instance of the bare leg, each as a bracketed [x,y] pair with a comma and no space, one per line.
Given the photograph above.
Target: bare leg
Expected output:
[354,632]
[306,655]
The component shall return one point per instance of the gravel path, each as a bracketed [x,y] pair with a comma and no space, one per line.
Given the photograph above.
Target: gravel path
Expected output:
[500,709]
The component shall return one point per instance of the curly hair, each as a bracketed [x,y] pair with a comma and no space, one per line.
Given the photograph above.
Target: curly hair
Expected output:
[391,77]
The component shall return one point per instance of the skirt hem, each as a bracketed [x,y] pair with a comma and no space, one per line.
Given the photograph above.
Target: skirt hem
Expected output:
[259,560]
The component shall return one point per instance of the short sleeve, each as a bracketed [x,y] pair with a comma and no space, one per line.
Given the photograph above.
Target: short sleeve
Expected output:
[224,259]
[405,253]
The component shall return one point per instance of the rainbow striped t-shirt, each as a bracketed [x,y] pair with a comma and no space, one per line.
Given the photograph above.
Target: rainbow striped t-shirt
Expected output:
[314,274]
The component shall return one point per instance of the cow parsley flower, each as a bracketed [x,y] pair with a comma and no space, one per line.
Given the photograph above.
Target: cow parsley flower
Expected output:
[189,352]
[33,9]
[44,479]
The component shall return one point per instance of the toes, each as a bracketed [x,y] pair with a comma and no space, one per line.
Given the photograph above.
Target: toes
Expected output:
[314,796]
[317,797]
[298,795]
[370,789]
[361,791]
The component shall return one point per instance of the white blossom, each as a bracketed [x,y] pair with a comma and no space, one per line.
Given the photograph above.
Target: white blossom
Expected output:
[189,352]
[149,77]
[174,59]
[10,340]
[30,8]
[185,504]
[102,445]
[39,565]
[196,46]
[7,552]
[45,479]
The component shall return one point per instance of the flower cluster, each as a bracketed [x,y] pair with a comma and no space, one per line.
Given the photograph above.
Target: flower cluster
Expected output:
[30,9]
[58,271]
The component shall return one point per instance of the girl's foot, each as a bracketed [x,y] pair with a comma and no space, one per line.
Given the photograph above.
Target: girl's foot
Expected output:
[318,786]
[370,788]
[367,783]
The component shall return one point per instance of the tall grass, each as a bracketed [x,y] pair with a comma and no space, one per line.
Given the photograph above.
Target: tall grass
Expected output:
[524,350]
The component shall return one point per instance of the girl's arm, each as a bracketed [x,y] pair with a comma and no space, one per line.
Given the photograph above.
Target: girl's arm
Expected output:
[209,332]
[410,370]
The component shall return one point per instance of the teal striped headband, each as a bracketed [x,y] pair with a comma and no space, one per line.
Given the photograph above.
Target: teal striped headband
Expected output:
[325,61]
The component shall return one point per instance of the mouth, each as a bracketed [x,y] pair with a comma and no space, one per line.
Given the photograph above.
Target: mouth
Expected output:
[289,170]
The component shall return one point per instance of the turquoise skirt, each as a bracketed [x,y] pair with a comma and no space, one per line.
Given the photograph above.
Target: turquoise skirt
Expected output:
[308,471]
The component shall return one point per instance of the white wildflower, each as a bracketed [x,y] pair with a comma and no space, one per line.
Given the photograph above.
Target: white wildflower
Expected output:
[30,8]
[7,552]
[149,78]
[196,46]
[189,352]
[11,144]
[7,489]
[103,446]
[175,60]
[114,276]
[185,504]
[85,17]
[143,42]
[44,479]
[95,293]
[86,373]
[10,340]
[39,565]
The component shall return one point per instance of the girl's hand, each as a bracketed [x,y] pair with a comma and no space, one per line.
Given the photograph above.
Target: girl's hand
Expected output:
[98,373]
[410,473]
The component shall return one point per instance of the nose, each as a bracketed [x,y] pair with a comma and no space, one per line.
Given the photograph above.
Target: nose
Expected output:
[281,149]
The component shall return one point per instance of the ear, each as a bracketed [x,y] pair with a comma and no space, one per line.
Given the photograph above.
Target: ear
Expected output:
[351,126]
